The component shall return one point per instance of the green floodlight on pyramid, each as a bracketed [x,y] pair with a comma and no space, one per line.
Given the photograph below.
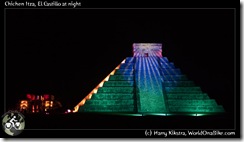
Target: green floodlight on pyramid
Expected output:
[148,83]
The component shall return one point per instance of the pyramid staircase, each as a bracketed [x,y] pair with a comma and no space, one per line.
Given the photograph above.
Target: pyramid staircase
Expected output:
[122,91]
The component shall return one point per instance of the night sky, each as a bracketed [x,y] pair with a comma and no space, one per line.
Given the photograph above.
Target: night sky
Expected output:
[67,52]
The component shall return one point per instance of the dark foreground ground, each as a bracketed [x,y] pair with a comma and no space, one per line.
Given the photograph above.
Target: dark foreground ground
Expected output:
[100,125]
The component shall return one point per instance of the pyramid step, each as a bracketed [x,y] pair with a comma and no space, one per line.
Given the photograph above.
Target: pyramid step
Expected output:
[112,96]
[186,96]
[164,59]
[116,90]
[176,102]
[183,92]
[121,77]
[183,89]
[196,108]
[124,72]
[129,60]
[106,108]
[127,66]
[178,83]
[175,78]
[167,71]
[110,102]
[167,65]
[118,83]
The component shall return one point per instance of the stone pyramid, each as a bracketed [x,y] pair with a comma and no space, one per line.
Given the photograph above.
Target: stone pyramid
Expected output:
[148,83]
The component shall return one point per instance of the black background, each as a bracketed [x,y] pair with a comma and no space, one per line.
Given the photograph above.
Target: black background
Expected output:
[67,52]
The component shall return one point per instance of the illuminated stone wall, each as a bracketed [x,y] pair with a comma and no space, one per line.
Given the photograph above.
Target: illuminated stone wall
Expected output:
[182,95]
[149,83]
[117,94]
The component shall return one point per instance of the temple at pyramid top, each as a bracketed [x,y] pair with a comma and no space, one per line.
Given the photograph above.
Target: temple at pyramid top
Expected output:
[147,49]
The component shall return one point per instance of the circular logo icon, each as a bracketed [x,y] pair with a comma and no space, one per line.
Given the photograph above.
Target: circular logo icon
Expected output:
[13,123]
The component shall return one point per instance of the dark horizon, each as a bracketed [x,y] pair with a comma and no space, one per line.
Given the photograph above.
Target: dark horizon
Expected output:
[44,49]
